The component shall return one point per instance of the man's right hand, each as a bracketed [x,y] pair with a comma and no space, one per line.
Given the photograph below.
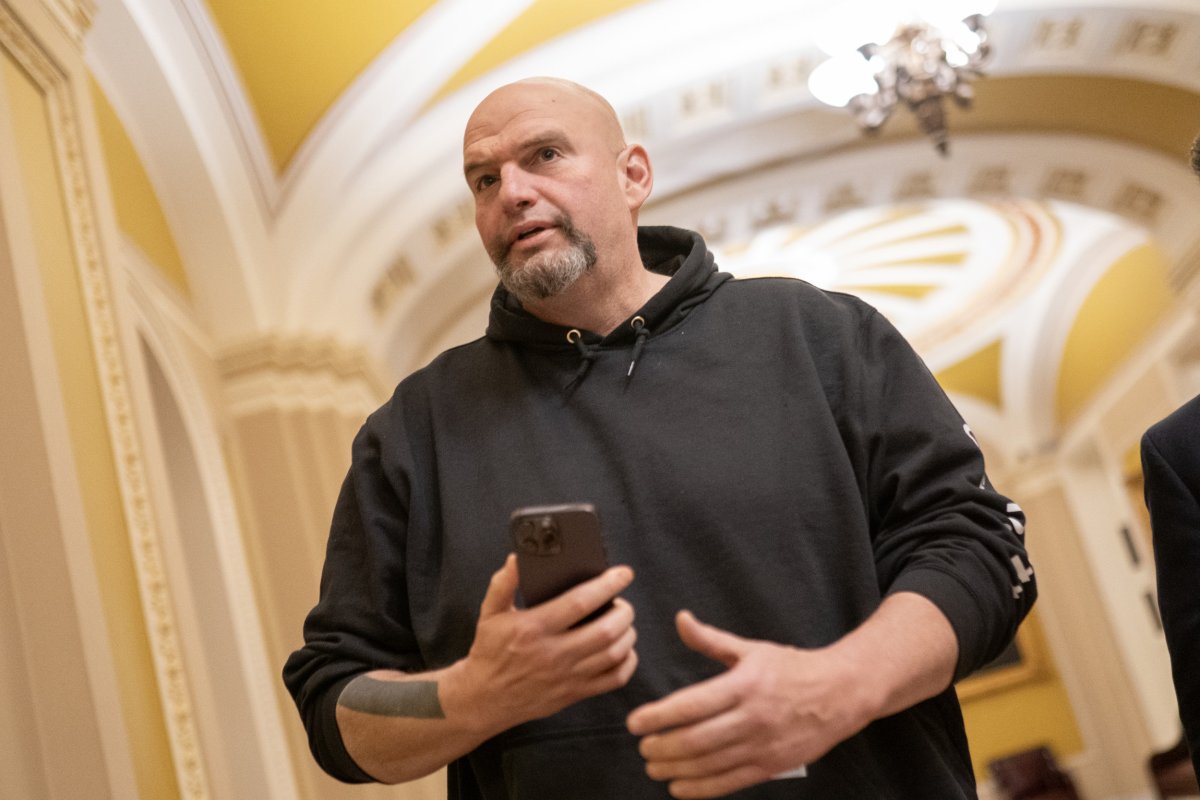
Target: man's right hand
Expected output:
[529,663]
[524,664]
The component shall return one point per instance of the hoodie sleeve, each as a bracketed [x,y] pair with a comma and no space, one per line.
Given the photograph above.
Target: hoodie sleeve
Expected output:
[939,528]
[360,621]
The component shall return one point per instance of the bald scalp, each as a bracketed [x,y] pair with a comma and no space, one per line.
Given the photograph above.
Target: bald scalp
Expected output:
[590,102]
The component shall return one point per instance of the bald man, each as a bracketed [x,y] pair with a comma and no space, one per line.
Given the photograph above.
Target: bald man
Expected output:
[817,548]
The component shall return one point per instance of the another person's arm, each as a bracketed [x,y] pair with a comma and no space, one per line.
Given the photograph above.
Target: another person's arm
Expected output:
[1173,499]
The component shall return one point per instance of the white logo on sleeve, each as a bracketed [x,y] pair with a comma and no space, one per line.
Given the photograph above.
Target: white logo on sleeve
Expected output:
[1015,521]
[1024,574]
[971,433]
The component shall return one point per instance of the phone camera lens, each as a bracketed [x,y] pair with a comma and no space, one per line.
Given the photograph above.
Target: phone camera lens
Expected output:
[527,537]
[549,541]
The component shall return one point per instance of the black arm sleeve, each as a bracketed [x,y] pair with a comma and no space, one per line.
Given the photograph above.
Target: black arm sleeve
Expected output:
[360,622]
[939,528]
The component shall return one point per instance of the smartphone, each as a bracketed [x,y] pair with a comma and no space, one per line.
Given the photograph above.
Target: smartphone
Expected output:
[557,547]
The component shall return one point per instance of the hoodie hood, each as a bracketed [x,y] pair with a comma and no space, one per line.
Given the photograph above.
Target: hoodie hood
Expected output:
[679,253]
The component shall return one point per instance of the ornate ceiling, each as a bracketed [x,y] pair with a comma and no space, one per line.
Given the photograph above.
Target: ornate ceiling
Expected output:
[307,164]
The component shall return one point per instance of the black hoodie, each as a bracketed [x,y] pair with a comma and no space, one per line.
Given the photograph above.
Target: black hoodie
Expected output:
[769,455]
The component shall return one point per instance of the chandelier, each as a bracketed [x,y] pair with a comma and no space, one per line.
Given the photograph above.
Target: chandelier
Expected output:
[881,57]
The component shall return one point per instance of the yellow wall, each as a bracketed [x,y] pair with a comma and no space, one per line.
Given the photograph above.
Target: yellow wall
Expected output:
[139,213]
[1116,317]
[542,21]
[977,375]
[89,433]
[297,56]
[1031,711]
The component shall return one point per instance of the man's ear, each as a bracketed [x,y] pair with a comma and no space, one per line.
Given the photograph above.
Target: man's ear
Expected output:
[637,176]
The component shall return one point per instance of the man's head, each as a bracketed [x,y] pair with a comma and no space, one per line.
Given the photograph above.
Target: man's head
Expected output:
[556,187]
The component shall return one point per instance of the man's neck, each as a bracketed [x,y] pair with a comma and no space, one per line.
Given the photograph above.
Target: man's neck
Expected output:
[600,300]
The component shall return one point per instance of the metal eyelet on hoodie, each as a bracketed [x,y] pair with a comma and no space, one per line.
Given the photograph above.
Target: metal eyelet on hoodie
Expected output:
[638,324]
[586,355]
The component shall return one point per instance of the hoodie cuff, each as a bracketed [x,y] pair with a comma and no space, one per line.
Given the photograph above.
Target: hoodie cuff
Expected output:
[961,607]
[327,745]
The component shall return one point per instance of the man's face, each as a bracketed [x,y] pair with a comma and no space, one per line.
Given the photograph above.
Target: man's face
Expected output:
[542,163]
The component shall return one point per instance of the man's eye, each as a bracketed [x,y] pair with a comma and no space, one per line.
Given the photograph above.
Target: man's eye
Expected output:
[548,154]
[484,182]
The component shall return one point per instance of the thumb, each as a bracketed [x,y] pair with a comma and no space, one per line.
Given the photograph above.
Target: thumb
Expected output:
[713,642]
[502,589]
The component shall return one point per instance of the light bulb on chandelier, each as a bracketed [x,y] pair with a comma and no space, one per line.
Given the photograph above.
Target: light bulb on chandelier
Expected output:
[881,57]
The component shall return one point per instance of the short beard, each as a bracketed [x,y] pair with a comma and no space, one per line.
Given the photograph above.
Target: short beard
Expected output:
[547,273]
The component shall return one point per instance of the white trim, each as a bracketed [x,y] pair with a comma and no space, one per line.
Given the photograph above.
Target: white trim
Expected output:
[69,525]
[144,57]
[230,592]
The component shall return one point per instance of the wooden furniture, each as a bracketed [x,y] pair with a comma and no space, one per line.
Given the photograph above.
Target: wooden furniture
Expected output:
[1032,775]
[1173,773]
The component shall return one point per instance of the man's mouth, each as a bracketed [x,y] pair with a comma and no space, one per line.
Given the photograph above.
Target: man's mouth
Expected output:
[533,230]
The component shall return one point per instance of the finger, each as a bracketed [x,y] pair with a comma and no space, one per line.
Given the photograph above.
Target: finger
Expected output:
[603,629]
[684,707]
[718,785]
[725,733]
[608,659]
[718,761]
[502,589]
[710,641]
[614,678]
[577,602]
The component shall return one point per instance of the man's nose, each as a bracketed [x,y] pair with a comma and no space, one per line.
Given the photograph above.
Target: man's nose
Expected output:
[517,188]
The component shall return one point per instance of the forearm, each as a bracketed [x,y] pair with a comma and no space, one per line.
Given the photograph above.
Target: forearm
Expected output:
[399,727]
[905,652]
[523,664]
[777,707]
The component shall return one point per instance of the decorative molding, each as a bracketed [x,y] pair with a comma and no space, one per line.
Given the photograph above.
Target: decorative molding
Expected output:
[73,16]
[173,339]
[161,628]
[1139,203]
[458,221]
[1057,34]
[300,368]
[1065,184]
[1147,38]
[288,354]
[390,286]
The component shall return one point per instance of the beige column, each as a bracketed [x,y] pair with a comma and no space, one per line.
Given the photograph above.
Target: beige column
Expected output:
[91,649]
[293,407]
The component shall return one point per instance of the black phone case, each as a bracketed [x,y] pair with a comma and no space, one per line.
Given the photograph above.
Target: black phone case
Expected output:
[557,547]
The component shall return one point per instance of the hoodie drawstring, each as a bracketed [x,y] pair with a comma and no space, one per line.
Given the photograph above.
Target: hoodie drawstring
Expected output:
[638,324]
[586,355]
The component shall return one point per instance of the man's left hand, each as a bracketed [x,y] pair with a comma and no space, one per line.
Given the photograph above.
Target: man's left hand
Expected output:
[776,708]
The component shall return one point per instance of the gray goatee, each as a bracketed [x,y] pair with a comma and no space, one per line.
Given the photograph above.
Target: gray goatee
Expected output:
[548,272]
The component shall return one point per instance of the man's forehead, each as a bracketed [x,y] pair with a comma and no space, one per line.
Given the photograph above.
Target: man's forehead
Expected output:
[521,135]
[517,123]
[541,102]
